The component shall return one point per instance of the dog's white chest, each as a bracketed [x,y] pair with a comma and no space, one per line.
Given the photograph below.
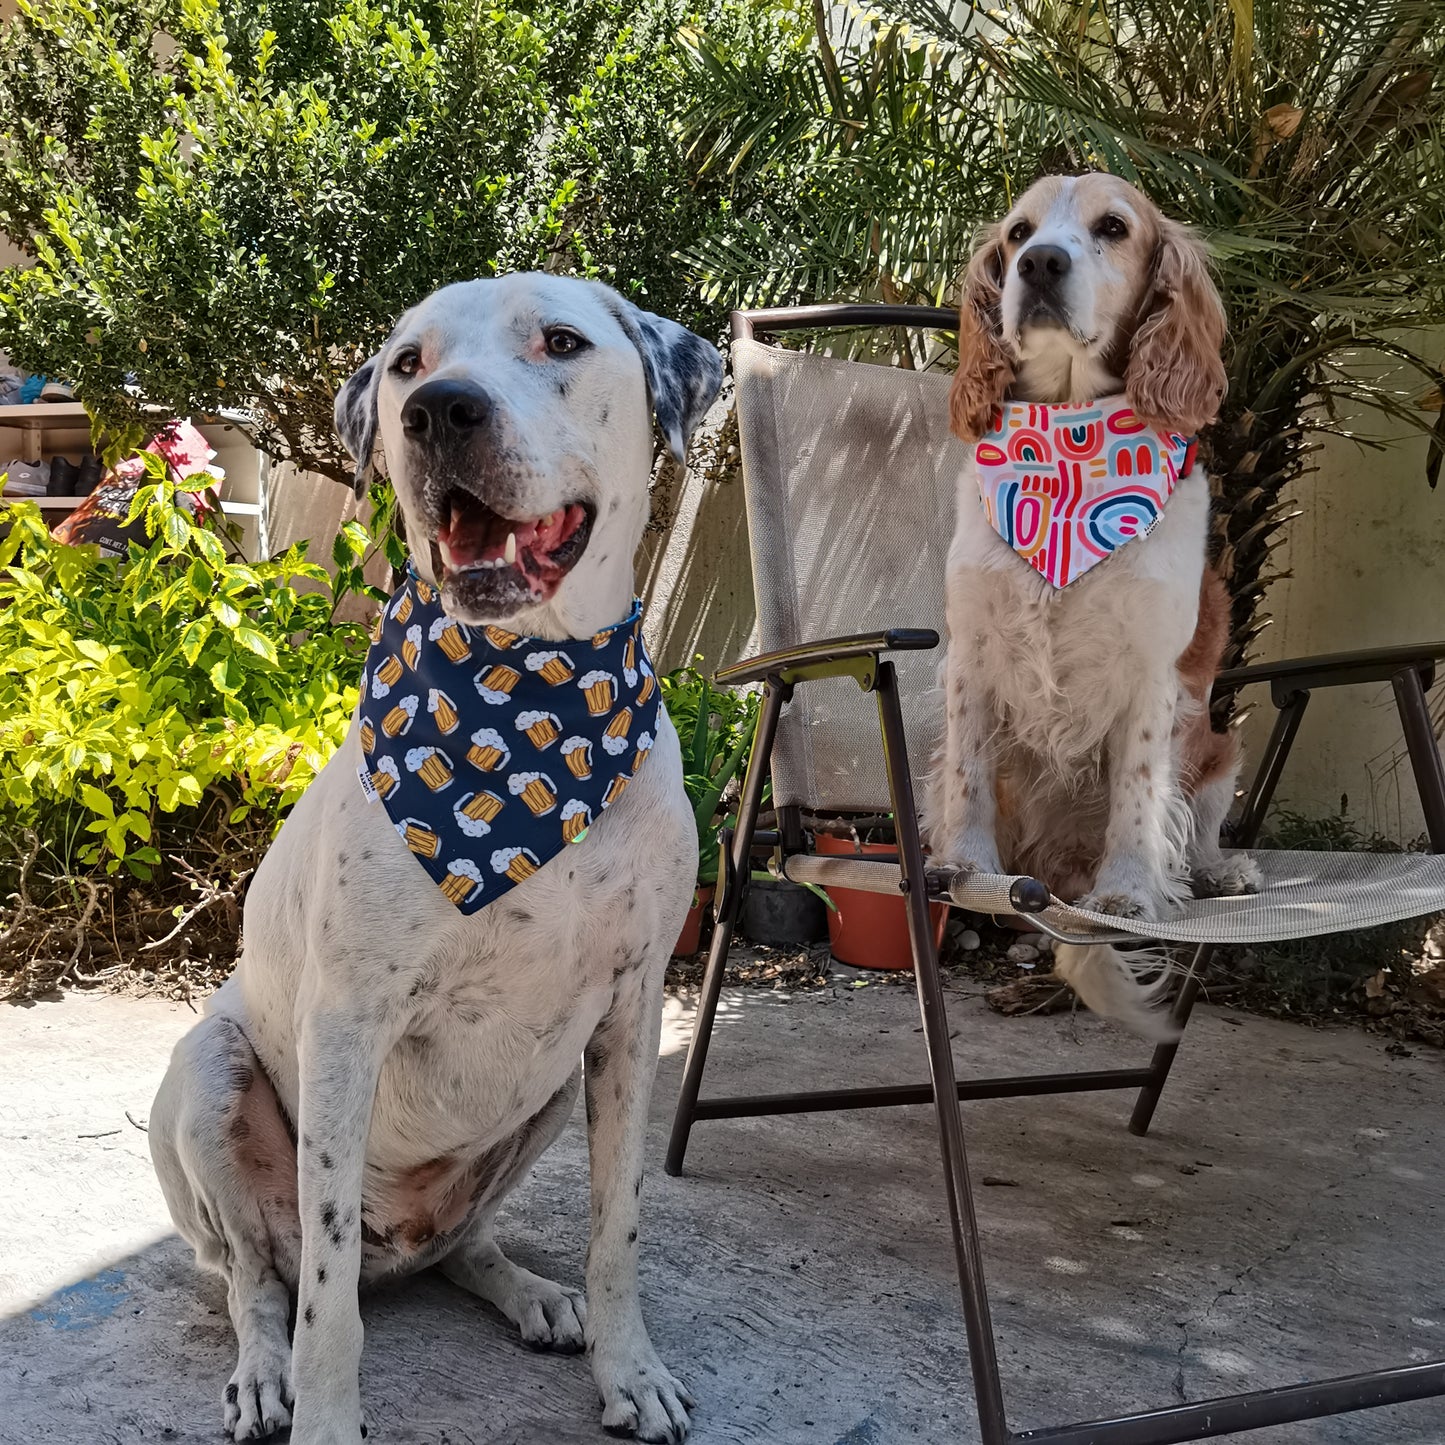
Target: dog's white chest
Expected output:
[483,1017]
[1056,660]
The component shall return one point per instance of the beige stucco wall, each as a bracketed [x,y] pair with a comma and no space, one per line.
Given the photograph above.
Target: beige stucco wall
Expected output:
[1367,558]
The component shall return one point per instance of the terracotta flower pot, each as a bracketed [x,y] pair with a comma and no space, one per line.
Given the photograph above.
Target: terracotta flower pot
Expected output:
[691,936]
[870,930]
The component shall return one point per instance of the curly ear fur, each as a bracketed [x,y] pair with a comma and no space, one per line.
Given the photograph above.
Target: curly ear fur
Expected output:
[985,369]
[1175,378]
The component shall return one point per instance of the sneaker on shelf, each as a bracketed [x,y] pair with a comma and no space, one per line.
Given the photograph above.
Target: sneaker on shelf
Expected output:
[56,391]
[24,479]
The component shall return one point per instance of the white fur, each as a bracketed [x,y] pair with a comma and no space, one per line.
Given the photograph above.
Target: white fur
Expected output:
[408,1042]
[1060,755]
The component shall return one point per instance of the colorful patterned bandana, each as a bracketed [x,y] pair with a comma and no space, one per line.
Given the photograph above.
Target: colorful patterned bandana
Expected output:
[1066,486]
[490,751]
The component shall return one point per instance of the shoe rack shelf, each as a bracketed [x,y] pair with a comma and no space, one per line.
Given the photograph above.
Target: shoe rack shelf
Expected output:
[41,430]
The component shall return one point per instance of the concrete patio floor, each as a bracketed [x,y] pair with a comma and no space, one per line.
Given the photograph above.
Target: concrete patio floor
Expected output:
[1285,1220]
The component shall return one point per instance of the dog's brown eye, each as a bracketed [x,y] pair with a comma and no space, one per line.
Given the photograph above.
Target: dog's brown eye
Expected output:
[561,341]
[1112,228]
[407,361]
[1020,231]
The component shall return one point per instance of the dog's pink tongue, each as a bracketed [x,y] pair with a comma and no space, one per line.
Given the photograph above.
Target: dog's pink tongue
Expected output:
[467,538]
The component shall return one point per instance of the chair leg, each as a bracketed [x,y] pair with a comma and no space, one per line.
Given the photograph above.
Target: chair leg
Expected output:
[1163,1059]
[774,696]
[1424,753]
[1261,794]
[982,1352]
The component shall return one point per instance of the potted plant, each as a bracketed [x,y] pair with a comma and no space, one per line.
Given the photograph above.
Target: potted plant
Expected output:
[716,730]
[870,930]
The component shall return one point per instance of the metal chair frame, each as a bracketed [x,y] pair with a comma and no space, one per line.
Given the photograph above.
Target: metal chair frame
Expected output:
[1410,671]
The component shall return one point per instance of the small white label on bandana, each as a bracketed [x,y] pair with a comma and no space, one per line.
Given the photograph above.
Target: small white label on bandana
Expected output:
[372,796]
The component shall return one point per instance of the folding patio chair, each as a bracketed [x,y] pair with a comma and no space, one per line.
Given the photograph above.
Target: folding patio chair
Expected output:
[849,475]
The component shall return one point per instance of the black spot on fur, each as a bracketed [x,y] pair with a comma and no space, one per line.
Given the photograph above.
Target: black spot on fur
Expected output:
[632,1236]
[341,860]
[561,386]
[602,421]
[637,1186]
[240,1128]
[391,968]
[333,1229]
[326,1160]
[242,1075]
[326,924]
[321,1274]
[366,855]
[233,1393]
[341,880]
[616,502]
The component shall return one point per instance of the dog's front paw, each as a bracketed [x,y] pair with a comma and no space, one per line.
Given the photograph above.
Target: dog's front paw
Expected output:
[971,853]
[1121,905]
[259,1396]
[641,1396]
[1227,877]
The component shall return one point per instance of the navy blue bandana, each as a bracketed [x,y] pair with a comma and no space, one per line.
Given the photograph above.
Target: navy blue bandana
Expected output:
[490,751]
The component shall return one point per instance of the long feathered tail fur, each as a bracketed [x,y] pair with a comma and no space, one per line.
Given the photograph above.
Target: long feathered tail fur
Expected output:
[1110,981]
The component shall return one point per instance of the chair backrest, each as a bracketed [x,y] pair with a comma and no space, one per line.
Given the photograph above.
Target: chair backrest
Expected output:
[850,475]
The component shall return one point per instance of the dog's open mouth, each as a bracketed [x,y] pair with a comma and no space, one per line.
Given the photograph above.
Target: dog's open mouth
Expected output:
[494,564]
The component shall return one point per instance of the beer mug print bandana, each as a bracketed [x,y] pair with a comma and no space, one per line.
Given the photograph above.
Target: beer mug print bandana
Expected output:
[1066,486]
[491,751]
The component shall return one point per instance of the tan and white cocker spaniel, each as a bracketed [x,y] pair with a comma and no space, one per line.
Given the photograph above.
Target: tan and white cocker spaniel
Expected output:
[1085,631]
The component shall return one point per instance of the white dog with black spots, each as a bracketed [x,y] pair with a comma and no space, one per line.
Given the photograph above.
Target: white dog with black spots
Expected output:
[381,1069]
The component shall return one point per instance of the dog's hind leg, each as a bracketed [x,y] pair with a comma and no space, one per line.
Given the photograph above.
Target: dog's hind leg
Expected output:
[549,1315]
[227,1168]
[1211,872]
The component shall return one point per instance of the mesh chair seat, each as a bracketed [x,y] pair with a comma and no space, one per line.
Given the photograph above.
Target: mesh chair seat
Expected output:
[850,477]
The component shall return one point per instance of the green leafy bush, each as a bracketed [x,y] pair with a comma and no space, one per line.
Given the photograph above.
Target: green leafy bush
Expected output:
[716,729]
[233,200]
[178,685]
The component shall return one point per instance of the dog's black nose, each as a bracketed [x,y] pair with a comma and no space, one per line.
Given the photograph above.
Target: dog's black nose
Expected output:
[1043,267]
[446,408]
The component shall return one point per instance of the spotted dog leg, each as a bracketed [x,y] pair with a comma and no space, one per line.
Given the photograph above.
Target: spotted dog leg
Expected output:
[339,1053]
[1147,831]
[639,1394]
[227,1168]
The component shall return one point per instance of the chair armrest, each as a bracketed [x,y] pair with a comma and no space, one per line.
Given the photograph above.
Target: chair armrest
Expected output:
[1335,669]
[832,657]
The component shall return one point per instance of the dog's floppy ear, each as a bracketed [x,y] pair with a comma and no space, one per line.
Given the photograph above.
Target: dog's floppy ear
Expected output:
[684,372]
[985,368]
[355,414]
[1175,378]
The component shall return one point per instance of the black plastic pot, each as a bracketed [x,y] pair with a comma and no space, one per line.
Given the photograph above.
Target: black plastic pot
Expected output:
[780,913]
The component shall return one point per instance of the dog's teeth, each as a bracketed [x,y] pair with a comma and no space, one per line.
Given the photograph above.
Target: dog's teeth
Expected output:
[446,554]
[510,554]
